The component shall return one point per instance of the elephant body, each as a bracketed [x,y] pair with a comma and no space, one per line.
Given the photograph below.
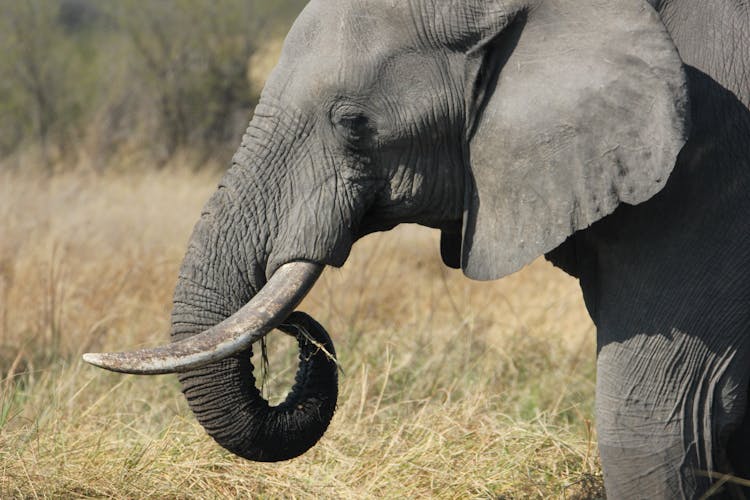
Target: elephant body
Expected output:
[667,283]
[611,136]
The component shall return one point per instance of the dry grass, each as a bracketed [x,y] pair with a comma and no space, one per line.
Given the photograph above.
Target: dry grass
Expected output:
[450,388]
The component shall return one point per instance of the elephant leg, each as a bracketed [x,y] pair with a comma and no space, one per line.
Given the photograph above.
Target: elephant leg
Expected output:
[667,407]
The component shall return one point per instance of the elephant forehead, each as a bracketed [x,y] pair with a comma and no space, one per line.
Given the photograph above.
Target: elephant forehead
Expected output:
[333,36]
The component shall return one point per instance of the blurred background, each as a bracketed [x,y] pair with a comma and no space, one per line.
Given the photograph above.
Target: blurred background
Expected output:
[112,84]
[117,119]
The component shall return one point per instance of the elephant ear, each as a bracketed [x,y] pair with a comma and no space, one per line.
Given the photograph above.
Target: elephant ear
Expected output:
[573,108]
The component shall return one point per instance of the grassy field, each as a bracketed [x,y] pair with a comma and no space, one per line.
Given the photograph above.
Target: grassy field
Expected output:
[450,388]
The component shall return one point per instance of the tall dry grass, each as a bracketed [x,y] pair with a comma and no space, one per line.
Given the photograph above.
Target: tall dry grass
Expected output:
[450,388]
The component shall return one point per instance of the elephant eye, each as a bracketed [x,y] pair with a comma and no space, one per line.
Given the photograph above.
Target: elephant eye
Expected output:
[353,126]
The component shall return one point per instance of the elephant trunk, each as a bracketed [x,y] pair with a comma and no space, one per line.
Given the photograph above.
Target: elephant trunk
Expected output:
[221,272]
[227,403]
[261,242]
[223,303]
[223,282]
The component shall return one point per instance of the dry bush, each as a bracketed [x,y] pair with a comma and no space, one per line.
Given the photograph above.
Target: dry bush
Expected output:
[450,388]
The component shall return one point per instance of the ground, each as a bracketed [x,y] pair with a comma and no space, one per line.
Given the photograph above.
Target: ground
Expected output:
[449,388]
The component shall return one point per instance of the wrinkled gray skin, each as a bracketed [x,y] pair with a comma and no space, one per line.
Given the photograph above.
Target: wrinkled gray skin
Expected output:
[513,127]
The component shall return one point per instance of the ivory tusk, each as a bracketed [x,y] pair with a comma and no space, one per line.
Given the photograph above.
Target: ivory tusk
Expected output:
[264,312]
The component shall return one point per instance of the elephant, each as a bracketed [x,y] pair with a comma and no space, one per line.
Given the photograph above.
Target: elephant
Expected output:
[612,137]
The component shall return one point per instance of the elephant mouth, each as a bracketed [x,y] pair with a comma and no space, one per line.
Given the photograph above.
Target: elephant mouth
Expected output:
[267,310]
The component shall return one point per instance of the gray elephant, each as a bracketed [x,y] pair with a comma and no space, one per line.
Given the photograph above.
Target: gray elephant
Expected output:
[612,136]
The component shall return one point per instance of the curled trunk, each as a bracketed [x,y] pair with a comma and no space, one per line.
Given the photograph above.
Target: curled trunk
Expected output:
[236,253]
[225,400]
[255,252]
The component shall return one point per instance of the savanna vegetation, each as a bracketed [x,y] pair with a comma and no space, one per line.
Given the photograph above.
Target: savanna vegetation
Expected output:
[91,81]
[116,119]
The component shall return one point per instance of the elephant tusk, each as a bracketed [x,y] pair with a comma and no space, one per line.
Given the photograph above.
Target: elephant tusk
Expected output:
[264,312]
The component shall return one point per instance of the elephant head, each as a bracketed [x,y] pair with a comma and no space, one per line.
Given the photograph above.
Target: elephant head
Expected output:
[508,125]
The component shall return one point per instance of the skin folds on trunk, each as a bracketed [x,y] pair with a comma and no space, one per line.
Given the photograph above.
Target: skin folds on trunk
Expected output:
[227,403]
[224,268]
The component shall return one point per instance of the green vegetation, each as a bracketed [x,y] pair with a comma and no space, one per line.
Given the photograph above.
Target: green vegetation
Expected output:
[85,78]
